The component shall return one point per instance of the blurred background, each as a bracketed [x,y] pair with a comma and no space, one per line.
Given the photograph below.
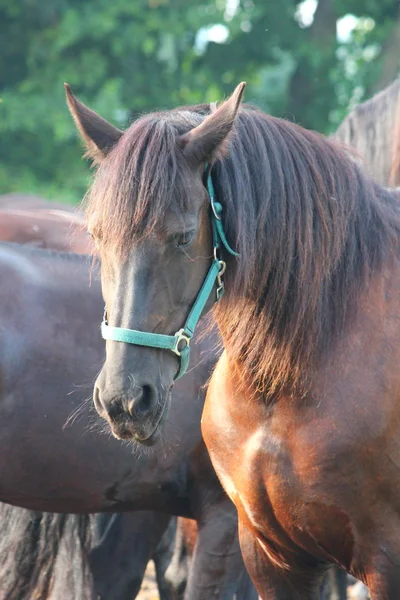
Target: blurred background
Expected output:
[307,61]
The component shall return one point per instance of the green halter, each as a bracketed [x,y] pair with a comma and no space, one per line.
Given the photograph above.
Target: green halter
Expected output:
[180,342]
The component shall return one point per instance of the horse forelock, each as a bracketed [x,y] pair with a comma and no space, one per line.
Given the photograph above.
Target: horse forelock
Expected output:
[311,230]
[144,175]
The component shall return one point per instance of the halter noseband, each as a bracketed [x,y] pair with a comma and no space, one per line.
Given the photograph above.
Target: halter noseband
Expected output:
[180,342]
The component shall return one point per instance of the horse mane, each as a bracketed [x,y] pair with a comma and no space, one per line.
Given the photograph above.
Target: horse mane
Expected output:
[310,227]
[373,129]
[42,554]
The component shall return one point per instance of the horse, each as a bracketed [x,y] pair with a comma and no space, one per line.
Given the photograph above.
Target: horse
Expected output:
[296,251]
[45,228]
[63,461]
[373,129]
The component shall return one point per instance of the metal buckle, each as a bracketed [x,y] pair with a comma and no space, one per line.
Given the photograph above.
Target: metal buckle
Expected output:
[179,336]
[221,287]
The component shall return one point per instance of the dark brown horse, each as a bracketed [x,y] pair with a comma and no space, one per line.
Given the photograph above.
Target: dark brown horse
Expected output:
[302,417]
[61,461]
[373,129]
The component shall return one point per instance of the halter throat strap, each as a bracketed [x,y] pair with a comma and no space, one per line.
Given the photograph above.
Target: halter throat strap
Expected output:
[179,343]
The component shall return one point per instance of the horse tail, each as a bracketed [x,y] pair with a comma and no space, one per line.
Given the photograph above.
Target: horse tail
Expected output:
[394,180]
[44,555]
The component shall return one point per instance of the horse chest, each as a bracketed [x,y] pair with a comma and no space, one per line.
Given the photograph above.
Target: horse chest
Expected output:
[278,493]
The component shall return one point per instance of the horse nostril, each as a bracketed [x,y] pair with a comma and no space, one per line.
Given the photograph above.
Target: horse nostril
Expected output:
[142,402]
[97,401]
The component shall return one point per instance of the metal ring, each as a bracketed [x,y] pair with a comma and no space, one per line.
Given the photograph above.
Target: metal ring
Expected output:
[216,215]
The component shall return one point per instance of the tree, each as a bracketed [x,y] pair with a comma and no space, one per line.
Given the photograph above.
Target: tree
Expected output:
[129,56]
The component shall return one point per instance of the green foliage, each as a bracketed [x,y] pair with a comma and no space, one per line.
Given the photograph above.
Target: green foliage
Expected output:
[128,56]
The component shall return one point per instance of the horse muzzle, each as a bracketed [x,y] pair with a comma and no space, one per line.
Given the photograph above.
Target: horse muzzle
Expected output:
[135,414]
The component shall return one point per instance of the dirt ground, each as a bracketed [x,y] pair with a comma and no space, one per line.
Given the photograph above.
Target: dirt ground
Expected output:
[149,587]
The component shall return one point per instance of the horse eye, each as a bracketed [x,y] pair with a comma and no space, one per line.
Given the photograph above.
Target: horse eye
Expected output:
[183,239]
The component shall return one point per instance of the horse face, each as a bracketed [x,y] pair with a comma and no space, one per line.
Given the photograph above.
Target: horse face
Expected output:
[151,289]
[150,180]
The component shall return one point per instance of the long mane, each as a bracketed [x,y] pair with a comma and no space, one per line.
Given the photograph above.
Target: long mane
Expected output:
[310,227]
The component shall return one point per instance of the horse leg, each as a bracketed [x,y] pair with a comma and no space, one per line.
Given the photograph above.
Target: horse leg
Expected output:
[178,570]
[217,571]
[162,558]
[274,582]
[119,559]
[334,586]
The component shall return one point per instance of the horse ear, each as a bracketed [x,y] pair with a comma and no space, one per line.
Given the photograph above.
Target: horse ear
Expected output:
[98,134]
[209,140]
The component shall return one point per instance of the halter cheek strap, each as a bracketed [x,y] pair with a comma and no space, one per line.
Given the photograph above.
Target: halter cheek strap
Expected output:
[180,342]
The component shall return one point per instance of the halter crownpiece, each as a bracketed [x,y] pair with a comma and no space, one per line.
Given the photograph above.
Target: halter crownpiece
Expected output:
[180,342]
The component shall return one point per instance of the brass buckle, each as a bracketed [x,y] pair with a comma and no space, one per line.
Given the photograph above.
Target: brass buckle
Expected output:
[179,336]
